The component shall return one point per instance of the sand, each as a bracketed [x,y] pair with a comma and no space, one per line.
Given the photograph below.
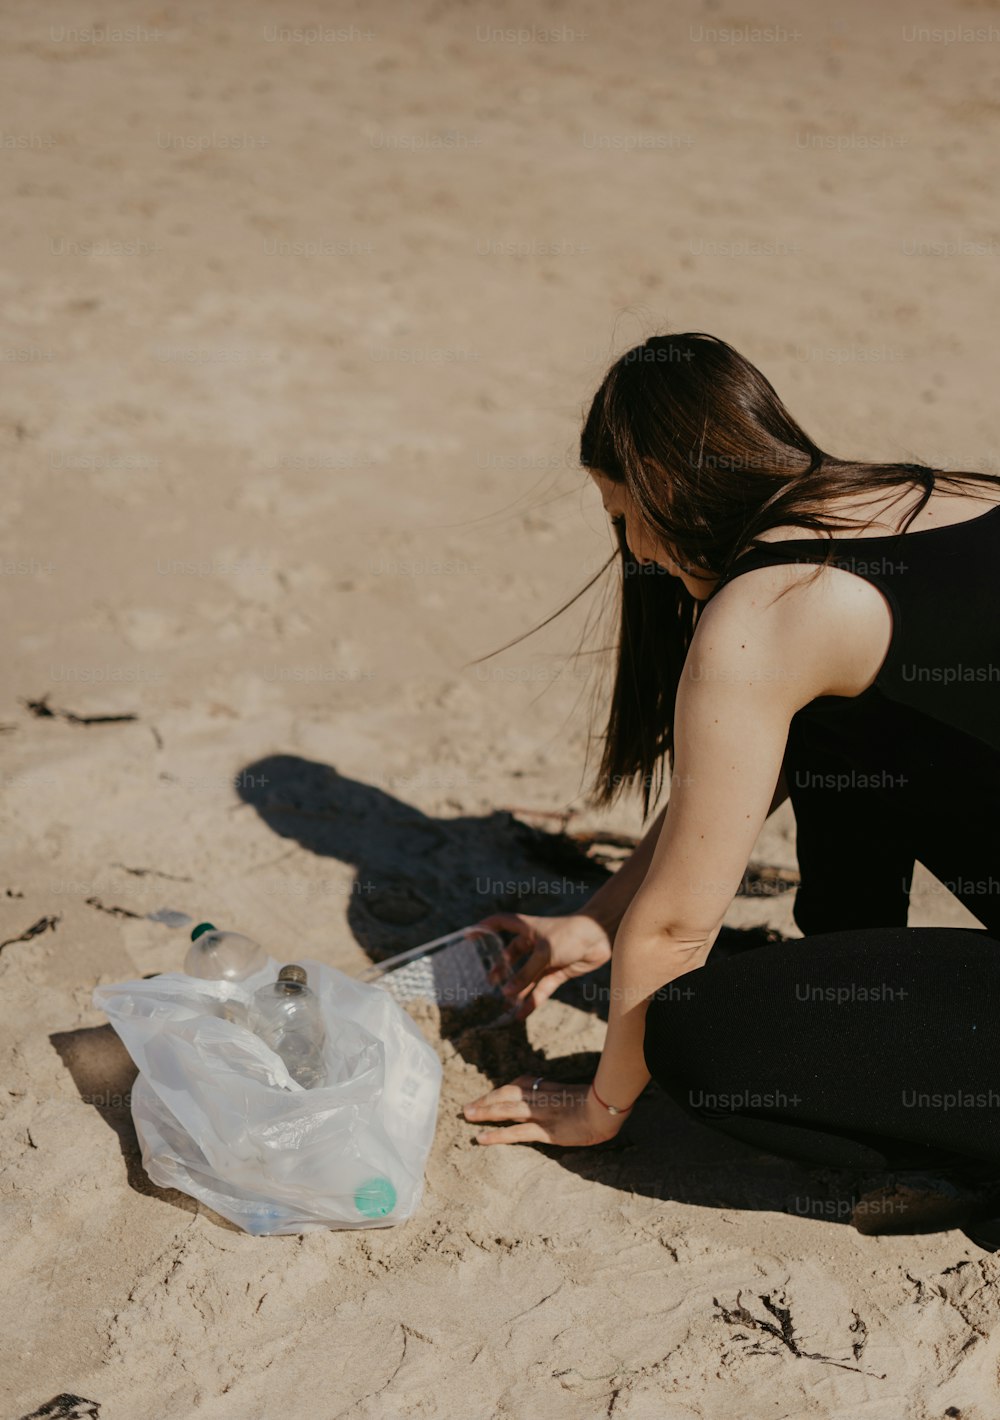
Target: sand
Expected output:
[299,327]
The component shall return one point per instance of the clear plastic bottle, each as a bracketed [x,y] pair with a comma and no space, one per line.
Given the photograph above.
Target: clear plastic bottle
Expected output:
[222,956]
[286,1015]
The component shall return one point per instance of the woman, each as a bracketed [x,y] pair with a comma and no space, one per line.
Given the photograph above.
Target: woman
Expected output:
[792,625]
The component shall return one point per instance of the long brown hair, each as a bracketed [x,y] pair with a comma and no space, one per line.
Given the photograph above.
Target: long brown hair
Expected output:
[711,459]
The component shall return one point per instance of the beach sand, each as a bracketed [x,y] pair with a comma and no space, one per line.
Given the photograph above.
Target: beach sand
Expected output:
[299,329]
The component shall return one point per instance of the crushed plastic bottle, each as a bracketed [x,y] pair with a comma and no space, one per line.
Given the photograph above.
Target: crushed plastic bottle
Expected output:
[286,1015]
[454,969]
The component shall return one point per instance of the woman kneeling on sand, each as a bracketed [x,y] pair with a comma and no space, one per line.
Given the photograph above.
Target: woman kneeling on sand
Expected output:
[788,630]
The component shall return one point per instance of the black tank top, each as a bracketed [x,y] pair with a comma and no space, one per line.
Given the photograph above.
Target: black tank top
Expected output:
[943,586]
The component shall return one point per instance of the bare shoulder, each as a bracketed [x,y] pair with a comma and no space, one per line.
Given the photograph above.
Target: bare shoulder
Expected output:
[824,632]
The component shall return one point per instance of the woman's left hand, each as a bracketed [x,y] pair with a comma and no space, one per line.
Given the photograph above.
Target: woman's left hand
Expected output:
[554,1113]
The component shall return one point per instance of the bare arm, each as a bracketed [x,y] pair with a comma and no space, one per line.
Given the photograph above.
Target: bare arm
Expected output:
[608,905]
[754,663]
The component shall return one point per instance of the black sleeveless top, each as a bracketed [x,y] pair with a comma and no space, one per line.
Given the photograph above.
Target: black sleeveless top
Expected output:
[943,587]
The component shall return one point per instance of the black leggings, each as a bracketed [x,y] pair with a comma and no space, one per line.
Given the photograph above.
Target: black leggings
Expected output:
[877,1049]
[866,1042]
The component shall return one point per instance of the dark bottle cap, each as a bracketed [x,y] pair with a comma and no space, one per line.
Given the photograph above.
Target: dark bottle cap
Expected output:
[196,932]
[294,974]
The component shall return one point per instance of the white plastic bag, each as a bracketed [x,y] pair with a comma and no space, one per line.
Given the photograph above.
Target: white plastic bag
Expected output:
[219,1117]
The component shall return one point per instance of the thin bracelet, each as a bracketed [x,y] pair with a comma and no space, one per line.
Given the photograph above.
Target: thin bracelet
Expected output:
[612,1109]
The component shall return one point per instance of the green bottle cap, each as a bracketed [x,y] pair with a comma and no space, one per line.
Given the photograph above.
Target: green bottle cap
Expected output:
[375,1198]
[202,927]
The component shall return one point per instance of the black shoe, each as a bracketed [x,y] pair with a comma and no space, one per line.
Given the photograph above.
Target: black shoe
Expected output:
[985,1233]
[912,1202]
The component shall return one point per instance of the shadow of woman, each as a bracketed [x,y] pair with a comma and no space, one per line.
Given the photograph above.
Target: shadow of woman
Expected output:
[417,877]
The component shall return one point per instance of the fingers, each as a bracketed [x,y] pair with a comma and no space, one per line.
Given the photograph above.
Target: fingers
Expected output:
[515,1134]
[504,921]
[535,997]
[513,950]
[528,1002]
[544,989]
[498,1113]
[506,1102]
[536,1115]
[512,923]
[527,974]
[514,1101]
[523,1006]
[502,965]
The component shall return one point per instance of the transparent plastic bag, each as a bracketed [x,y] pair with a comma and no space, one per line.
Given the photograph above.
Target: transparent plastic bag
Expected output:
[219,1117]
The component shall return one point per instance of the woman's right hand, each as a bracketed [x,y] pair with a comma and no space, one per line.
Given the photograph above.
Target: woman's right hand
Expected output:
[558,948]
